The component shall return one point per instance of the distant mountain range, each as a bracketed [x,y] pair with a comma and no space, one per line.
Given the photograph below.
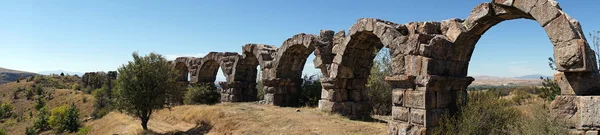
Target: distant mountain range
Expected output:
[60,71]
[9,75]
[534,76]
[533,79]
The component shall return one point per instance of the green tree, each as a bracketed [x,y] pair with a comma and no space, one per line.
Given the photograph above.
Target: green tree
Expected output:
[39,103]
[72,122]
[143,85]
[380,92]
[103,102]
[42,121]
[62,74]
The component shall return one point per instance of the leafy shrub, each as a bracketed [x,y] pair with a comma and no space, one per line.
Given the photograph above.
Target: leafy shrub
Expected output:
[549,89]
[102,103]
[29,94]
[57,115]
[484,113]
[39,103]
[2,132]
[84,130]
[31,131]
[65,118]
[76,86]
[6,109]
[519,96]
[311,91]
[540,122]
[202,94]
[42,121]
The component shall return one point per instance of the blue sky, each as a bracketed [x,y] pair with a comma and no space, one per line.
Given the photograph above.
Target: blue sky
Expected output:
[100,35]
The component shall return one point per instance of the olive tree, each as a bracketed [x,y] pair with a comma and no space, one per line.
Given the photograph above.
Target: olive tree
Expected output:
[144,84]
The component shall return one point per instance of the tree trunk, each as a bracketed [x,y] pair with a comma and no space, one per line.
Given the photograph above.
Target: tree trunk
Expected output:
[145,123]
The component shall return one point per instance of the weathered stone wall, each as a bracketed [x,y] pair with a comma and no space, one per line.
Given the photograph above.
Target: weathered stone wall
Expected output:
[429,64]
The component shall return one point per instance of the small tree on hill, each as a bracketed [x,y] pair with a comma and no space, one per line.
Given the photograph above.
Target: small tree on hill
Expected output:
[143,85]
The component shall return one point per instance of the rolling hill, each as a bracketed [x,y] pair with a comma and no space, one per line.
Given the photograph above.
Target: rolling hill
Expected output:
[9,75]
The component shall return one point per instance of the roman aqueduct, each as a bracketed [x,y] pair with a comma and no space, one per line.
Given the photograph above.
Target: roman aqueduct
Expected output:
[430,62]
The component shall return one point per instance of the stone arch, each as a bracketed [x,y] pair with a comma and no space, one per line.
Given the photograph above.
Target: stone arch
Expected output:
[571,49]
[241,82]
[208,68]
[347,66]
[182,65]
[435,79]
[283,81]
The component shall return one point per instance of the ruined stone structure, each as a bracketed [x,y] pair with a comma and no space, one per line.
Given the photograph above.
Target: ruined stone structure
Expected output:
[430,62]
[95,80]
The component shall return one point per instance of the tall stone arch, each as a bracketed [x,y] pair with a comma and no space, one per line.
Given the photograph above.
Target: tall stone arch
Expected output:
[433,80]
[282,82]
[241,81]
[346,62]
[183,67]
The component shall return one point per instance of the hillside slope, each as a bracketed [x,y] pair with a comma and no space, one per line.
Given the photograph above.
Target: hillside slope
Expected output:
[9,75]
[237,118]
[16,124]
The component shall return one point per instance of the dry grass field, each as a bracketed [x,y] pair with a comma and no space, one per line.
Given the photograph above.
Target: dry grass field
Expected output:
[237,118]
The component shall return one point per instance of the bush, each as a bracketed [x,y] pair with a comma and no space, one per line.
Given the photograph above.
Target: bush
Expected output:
[29,94]
[76,86]
[31,131]
[102,103]
[57,116]
[6,110]
[42,121]
[519,96]
[485,113]
[549,89]
[84,130]
[3,132]
[202,94]
[311,91]
[540,122]
[39,103]
[65,118]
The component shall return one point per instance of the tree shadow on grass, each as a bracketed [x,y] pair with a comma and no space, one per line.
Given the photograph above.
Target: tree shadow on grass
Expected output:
[202,128]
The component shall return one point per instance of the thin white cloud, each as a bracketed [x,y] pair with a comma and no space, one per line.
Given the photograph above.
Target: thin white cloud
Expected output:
[174,56]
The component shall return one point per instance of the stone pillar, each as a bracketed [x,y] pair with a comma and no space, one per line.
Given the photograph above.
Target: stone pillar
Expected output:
[238,91]
[579,103]
[420,101]
[339,96]
[281,92]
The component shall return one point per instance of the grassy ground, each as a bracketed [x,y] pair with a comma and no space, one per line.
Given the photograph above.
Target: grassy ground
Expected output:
[237,118]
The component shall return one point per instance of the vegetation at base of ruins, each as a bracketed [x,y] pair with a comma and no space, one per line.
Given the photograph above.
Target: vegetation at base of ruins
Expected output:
[202,94]
[311,91]
[550,88]
[143,85]
[380,91]
[486,112]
